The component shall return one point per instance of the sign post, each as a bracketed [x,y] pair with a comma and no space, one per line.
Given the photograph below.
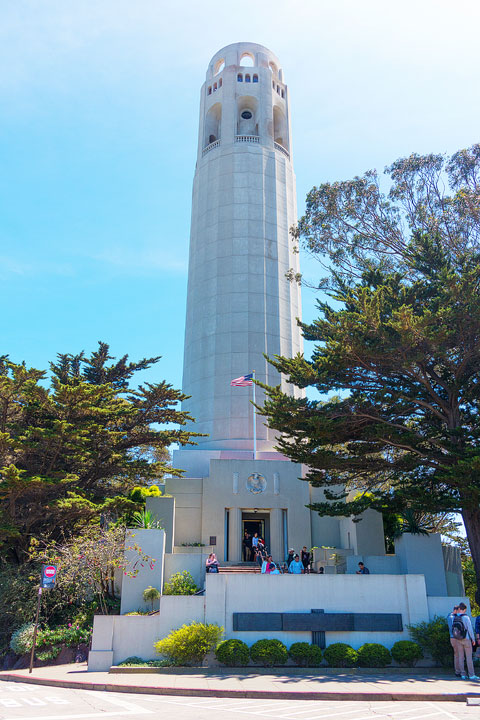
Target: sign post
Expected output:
[47,582]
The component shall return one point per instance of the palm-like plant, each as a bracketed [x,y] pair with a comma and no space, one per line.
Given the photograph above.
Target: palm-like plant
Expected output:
[146,519]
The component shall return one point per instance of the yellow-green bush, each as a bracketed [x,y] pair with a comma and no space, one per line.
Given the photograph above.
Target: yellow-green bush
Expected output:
[189,644]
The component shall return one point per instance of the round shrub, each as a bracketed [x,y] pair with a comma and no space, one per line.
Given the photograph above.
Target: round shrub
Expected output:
[406,652]
[190,643]
[373,655]
[305,655]
[340,655]
[22,639]
[269,652]
[182,583]
[233,653]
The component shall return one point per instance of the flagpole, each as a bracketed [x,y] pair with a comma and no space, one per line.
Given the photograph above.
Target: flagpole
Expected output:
[254,421]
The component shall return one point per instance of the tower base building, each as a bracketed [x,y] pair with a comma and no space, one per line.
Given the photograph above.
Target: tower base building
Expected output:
[241,307]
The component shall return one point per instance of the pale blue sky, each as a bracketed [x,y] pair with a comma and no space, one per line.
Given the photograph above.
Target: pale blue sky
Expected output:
[98,131]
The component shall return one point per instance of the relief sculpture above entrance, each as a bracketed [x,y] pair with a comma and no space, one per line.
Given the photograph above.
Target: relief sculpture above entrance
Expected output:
[256,483]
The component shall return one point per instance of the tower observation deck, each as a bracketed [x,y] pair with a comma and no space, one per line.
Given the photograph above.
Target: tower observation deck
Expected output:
[240,304]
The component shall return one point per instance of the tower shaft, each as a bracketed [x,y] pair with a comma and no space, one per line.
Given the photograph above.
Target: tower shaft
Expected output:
[240,304]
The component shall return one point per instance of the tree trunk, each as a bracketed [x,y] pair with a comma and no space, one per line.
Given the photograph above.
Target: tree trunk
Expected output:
[471,520]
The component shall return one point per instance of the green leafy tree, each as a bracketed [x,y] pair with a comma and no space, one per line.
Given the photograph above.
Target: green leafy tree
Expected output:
[87,564]
[399,341]
[71,446]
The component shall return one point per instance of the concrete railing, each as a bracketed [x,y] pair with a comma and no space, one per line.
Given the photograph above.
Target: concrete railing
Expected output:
[282,149]
[247,138]
[212,145]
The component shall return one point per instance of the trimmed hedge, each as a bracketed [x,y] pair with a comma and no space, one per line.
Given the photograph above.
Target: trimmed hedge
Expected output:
[340,655]
[233,653]
[269,652]
[305,655]
[406,652]
[373,655]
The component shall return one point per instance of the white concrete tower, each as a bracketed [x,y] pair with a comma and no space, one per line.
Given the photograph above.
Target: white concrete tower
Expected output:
[240,304]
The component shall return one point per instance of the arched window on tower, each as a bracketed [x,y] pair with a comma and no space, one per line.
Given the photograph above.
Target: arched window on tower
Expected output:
[283,93]
[220,64]
[213,124]
[214,87]
[247,60]
[239,77]
[220,83]
[246,116]
[280,132]
[255,78]
[247,78]
[210,90]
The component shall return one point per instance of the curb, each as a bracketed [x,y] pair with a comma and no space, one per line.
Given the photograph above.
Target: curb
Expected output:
[289,671]
[249,694]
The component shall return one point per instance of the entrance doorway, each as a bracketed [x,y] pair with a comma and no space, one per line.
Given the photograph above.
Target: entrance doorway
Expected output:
[257,522]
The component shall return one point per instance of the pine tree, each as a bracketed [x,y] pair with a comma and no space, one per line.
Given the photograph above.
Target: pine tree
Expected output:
[73,446]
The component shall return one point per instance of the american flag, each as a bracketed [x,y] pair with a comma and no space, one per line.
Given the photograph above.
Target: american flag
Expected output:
[242,381]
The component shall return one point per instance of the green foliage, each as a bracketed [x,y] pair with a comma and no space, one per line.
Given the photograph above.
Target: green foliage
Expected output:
[434,639]
[146,519]
[150,594]
[181,583]
[233,653]
[133,660]
[138,662]
[374,655]
[305,655]
[51,654]
[87,565]
[140,493]
[399,343]
[68,635]
[190,643]
[471,584]
[22,639]
[406,652]
[268,653]
[340,655]
[72,446]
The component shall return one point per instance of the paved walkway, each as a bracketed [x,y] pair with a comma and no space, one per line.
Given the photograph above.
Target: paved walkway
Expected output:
[427,686]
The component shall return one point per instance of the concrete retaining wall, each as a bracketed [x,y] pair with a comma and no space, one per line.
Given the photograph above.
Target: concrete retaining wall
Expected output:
[116,637]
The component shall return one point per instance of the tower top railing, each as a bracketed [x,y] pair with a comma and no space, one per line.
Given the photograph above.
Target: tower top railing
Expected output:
[247,138]
[282,149]
[212,145]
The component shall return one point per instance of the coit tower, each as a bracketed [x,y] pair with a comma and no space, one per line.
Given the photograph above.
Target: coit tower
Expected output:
[240,304]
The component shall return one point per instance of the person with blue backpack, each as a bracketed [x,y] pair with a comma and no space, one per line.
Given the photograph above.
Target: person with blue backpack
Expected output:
[462,639]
